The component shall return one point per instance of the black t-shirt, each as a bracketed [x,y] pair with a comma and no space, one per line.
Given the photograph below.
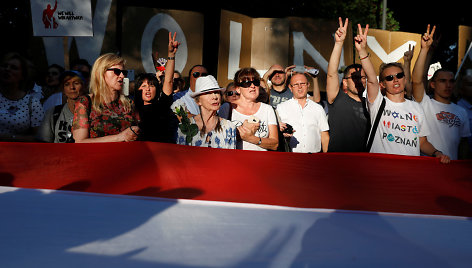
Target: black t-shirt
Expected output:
[349,124]
[156,120]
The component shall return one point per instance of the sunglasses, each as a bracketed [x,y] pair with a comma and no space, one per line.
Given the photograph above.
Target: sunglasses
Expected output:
[198,74]
[398,76]
[274,73]
[118,71]
[248,83]
[231,93]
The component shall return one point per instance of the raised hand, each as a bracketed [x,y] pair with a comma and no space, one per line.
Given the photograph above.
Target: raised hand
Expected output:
[408,55]
[341,32]
[173,45]
[361,38]
[427,38]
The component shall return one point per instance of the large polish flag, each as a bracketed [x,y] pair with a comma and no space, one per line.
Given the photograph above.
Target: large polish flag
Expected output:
[146,204]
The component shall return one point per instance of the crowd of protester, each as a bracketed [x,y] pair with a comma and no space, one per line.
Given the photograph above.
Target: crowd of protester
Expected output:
[394,113]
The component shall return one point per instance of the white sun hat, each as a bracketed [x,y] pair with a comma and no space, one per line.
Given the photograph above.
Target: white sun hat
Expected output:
[205,84]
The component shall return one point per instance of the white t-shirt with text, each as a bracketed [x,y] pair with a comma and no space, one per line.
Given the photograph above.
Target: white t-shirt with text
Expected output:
[400,127]
[448,123]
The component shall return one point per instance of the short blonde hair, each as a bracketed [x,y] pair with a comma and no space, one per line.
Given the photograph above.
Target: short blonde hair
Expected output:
[98,86]
[384,66]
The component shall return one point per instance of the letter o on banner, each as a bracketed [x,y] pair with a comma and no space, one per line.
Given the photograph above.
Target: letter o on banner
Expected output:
[162,21]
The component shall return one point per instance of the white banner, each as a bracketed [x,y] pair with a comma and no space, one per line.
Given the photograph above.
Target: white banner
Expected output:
[46,228]
[61,17]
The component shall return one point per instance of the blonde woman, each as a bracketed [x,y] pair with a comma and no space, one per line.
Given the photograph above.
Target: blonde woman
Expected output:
[106,115]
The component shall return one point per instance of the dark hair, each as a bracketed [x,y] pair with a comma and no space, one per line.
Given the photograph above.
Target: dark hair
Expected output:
[245,74]
[27,70]
[433,78]
[349,67]
[193,67]
[80,62]
[152,80]
[59,67]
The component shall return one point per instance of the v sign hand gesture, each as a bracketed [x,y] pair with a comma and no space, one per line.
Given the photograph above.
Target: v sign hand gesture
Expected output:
[340,34]
[361,40]
[173,45]
[361,47]
[427,38]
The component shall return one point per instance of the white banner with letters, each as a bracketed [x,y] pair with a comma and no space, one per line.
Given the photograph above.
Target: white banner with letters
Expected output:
[61,17]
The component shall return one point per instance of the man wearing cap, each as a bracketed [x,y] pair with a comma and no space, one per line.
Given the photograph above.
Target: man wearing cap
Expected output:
[57,123]
[308,119]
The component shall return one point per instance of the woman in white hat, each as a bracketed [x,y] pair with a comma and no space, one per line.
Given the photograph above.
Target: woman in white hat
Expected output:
[206,129]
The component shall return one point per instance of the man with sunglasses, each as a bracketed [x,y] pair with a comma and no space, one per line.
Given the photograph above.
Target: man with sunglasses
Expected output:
[402,127]
[348,116]
[448,122]
[183,98]
[279,92]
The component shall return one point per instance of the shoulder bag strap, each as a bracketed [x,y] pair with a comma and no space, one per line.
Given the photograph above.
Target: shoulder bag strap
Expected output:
[375,125]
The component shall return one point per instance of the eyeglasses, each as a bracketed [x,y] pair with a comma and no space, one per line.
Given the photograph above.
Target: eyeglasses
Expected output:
[118,71]
[198,74]
[231,93]
[248,83]
[398,76]
[300,85]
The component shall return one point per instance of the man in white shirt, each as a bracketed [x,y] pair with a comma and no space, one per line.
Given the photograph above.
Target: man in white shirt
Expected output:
[308,119]
[448,122]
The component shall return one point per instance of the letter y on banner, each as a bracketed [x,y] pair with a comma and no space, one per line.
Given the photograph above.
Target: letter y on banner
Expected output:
[300,44]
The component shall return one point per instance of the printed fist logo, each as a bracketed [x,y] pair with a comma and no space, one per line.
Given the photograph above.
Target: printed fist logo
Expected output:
[448,118]
[48,17]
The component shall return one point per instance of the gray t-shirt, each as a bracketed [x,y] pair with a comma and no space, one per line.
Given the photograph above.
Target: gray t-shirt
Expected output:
[61,131]
[278,97]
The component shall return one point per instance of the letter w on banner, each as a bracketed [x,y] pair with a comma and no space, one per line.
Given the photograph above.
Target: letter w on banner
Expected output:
[61,17]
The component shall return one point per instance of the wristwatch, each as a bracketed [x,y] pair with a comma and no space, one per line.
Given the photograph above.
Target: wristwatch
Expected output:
[260,141]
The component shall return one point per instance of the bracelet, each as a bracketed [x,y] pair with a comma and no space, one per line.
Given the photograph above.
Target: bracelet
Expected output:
[133,131]
[434,153]
[363,58]
[171,58]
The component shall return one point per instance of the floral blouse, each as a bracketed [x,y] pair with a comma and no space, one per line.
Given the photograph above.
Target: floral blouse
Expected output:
[112,120]
[225,138]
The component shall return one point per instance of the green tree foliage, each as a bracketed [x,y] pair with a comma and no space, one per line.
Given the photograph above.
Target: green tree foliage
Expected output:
[358,11]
